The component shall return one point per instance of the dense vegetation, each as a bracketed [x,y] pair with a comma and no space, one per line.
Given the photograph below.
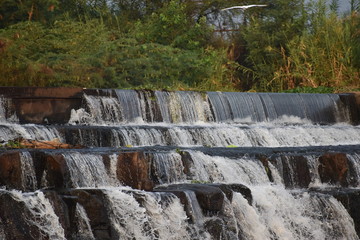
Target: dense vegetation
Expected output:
[176,44]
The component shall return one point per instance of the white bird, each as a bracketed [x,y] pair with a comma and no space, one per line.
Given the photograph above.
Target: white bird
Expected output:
[244,7]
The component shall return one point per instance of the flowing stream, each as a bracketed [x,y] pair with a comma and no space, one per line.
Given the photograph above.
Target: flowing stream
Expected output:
[173,129]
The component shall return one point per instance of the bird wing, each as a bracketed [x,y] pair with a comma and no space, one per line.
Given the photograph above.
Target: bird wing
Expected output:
[244,7]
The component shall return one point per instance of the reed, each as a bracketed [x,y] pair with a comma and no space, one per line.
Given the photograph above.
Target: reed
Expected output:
[323,56]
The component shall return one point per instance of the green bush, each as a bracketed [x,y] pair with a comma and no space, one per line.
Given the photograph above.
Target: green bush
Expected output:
[87,54]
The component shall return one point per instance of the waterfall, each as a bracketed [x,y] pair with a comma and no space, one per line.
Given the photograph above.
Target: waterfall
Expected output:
[86,170]
[27,171]
[181,165]
[2,110]
[301,215]
[168,167]
[6,115]
[215,135]
[156,219]
[103,109]
[40,214]
[183,107]
[221,169]
[83,223]
[260,107]
[130,105]
[33,132]
[355,161]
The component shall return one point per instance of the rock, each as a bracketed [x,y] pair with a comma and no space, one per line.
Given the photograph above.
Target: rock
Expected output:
[215,227]
[56,172]
[244,190]
[265,162]
[17,218]
[10,170]
[152,108]
[93,202]
[53,144]
[60,209]
[133,169]
[349,198]
[294,170]
[333,168]
[186,161]
[210,197]
[352,103]
[43,105]
[229,189]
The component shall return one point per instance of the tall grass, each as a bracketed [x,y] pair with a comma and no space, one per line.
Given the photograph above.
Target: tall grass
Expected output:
[323,56]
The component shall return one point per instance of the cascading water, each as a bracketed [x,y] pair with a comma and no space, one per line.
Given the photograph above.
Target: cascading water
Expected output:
[187,165]
[86,170]
[155,219]
[28,173]
[301,216]
[38,216]
[168,167]
[214,135]
[83,221]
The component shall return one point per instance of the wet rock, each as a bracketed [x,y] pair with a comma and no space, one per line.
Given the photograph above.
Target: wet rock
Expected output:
[294,170]
[78,228]
[152,108]
[45,111]
[352,102]
[107,163]
[229,189]
[186,161]
[210,197]
[60,209]
[94,203]
[14,215]
[89,136]
[43,105]
[350,199]
[244,190]
[265,162]
[333,168]
[225,188]
[133,169]
[215,227]
[10,170]
[56,172]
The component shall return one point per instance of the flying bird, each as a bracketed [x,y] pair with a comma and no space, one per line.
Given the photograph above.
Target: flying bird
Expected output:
[244,7]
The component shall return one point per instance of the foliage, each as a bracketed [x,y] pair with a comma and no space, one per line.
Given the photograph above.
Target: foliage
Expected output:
[12,12]
[16,143]
[310,90]
[65,55]
[171,44]
[308,46]
[322,55]
[266,38]
[172,26]
[32,55]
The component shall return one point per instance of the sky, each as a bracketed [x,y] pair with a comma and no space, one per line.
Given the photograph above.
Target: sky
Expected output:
[344,5]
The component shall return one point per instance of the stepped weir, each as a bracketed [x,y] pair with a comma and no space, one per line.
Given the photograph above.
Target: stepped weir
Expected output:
[140,164]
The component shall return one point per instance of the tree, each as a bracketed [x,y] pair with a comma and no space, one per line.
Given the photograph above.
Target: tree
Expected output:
[14,11]
[266,37]
[172,26]
[324,55]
